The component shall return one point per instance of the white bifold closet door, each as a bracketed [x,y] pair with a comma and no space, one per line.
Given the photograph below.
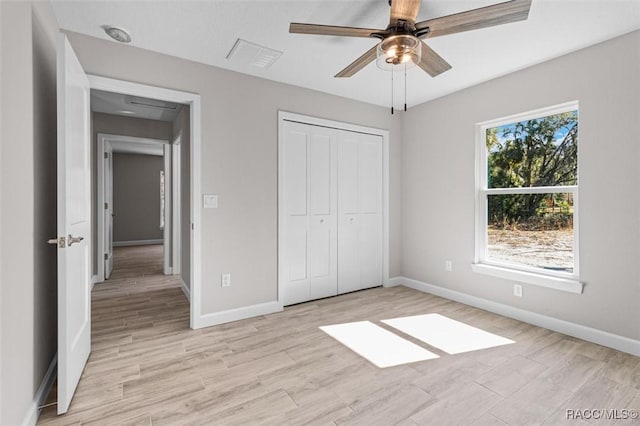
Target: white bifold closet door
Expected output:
[359,211]
[331,212]
[310,213]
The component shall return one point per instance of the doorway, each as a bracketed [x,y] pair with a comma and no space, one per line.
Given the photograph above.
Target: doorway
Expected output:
[136,178]
[186,141]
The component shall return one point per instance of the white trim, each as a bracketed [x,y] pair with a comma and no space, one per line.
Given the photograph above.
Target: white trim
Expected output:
[185,290]
[133,145]
[583,332]
[99,259]
[33,412]
[195,201]
[556,283]
[316,121]
[195,125]
[167,229]
[532,190]
[566,281]
[531,115]
[237,314]
[138,243]
[176,192]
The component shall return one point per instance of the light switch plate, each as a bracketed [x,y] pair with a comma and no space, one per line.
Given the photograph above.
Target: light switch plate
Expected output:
[210,201]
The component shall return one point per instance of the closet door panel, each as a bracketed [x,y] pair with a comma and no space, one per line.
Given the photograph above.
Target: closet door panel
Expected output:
[296,172]
[370,202]
[347,174]
[348,256]
[370,251]
[322,220]
[370,174]
[296,236]
[360,211]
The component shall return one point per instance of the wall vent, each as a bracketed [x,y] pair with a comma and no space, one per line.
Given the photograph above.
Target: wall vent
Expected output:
[247,53]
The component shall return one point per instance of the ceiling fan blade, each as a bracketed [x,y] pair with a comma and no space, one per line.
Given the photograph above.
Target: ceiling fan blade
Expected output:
[432,63]
[331,30]
[364,60]
[406,10]
[497,14]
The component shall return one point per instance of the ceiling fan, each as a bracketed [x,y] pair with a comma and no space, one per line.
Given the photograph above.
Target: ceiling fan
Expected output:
[400,43]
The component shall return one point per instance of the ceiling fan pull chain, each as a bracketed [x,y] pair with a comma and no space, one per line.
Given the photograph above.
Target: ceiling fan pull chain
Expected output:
[405,87]
[391,91]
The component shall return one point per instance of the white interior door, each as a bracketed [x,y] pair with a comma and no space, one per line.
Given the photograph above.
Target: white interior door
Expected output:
[309,265]
[74,223]
[359,211]
[109,212]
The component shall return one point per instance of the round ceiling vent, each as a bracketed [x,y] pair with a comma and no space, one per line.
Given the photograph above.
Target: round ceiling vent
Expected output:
[117,33]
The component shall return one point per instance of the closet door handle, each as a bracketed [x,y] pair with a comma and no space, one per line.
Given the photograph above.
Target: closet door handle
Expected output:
[321,220]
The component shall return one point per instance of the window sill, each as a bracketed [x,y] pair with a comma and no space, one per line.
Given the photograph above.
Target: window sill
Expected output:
[556,283]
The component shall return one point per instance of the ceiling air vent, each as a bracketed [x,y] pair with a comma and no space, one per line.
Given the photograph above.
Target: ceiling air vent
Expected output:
[246,53]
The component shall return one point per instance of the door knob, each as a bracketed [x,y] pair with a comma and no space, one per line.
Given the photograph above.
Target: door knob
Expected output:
[351,219]
[321,220]
[72,240]
[60,242]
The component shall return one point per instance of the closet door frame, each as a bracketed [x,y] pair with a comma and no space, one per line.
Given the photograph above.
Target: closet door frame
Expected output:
[284,116]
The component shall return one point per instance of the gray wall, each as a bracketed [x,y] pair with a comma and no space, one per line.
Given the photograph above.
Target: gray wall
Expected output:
[181,127]
[239,160]
[136,197]
[28,311]
[438,162]
[119,125]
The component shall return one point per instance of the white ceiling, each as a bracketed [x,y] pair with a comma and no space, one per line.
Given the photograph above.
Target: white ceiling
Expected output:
[205,31]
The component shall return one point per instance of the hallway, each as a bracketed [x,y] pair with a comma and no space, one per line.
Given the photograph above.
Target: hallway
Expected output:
[131,313]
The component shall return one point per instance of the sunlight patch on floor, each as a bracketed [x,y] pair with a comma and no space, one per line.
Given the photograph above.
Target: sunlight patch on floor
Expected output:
[451,336]
[379,346]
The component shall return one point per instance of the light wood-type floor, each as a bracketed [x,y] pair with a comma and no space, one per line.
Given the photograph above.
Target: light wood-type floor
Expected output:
[147,367]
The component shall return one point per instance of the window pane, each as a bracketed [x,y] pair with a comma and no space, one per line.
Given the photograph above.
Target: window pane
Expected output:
[537,152]
[534,230]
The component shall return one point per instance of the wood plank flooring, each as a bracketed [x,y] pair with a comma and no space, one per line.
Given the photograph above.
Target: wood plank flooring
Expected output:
[147,367]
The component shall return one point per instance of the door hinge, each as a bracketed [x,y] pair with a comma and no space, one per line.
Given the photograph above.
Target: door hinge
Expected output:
[106,155]
[106,206]
[106,256]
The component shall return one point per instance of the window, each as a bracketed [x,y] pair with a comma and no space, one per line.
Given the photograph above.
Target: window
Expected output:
[527,197]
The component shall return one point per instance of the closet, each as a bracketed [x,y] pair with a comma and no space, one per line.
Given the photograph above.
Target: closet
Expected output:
[331,198]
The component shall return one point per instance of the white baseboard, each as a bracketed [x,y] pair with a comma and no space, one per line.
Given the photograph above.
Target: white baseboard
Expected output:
[230,315]
[137,243]
[41,395]
[589,334]
[185,290]
[94,280]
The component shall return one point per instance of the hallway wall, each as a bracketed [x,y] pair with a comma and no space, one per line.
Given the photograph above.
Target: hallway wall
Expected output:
[136,197]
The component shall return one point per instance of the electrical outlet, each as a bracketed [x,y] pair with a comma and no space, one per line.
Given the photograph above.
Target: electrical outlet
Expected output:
[225,280]
[517,290]
[448,266]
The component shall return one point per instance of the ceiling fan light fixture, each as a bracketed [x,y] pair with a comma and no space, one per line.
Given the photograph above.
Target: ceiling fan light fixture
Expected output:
[401,49]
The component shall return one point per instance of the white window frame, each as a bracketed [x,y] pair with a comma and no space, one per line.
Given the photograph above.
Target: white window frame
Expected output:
[482,263]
